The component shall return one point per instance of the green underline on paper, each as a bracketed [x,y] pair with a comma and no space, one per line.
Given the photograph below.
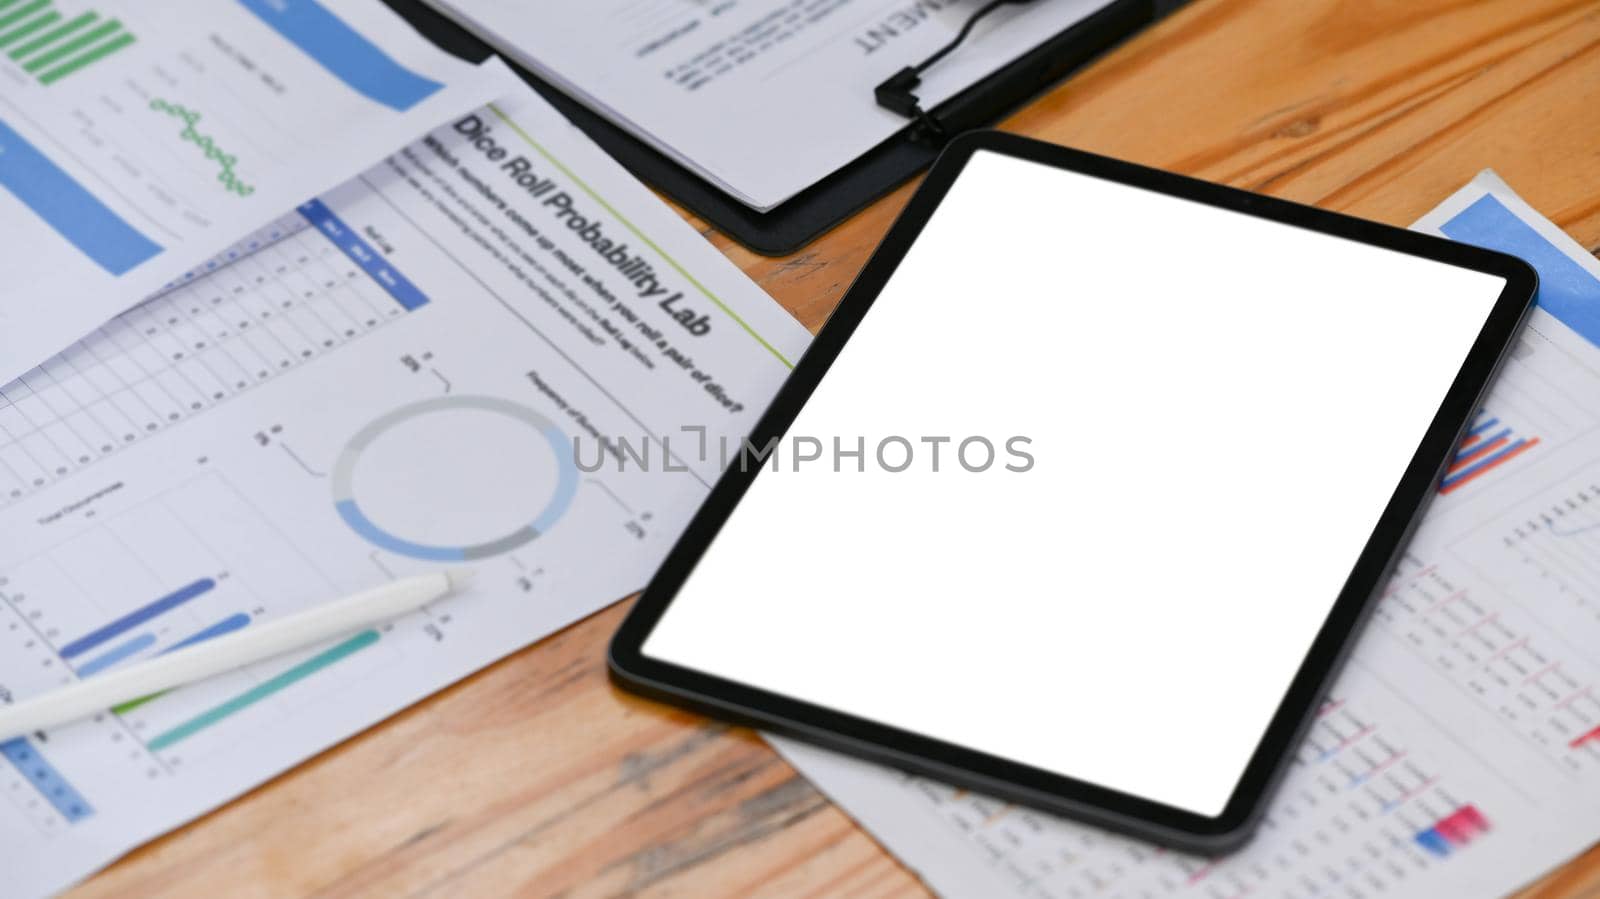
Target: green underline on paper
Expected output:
[640,235]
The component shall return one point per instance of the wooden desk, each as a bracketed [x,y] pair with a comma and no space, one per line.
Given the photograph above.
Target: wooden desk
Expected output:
[536,777]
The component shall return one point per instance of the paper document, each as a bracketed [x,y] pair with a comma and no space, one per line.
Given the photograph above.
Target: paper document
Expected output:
[139,141]
[761,97]
[1459,753]
[440,365]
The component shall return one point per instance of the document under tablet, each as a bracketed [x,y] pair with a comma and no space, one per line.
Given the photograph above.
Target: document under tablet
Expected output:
[1091,473]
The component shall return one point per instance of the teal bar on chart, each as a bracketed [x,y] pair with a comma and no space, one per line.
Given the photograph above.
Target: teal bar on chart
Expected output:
[220,713]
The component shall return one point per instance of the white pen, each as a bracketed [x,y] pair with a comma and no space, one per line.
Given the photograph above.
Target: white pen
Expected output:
[225,653]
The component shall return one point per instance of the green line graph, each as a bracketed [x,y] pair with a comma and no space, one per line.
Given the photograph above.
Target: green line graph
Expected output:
[35,34]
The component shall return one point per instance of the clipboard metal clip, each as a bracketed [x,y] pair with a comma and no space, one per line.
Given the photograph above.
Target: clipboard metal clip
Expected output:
[895,93]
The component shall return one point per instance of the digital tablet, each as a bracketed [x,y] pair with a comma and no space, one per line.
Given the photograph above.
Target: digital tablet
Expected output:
[1081,496]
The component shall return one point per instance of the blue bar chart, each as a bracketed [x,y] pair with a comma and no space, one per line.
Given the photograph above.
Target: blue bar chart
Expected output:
[225,626]
[68,208]
[344,52]
[110,597]
[116,654]
[137,617]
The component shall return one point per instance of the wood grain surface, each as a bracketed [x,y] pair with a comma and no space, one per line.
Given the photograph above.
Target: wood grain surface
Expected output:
[536,777]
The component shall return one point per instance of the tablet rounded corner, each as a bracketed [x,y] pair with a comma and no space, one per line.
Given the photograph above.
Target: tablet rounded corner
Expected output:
[622,662]
[1233,837]
[1529,275]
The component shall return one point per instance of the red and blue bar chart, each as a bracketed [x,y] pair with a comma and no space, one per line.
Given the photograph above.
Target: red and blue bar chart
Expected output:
[1453,831]
[1489,444]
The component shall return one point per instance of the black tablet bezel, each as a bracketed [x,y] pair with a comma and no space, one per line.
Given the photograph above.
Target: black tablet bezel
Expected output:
[1008,779]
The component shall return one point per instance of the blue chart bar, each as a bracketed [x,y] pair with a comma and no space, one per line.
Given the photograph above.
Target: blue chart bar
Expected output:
[1566,290]
[227,625]
[1491,440]
[113,656]
[1486,446]
[1433,841]
[69,208]
[1504,454]
[137,617]
[46,779]
[371,261]
[344,52]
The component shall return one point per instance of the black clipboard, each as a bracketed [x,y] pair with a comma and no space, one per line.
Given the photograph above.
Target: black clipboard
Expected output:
[806,216]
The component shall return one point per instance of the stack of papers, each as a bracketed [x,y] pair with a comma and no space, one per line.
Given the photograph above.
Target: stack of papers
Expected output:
[437,361]
[762,98]
[1459,753]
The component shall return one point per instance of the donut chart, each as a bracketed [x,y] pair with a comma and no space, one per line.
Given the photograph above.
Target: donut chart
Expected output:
[343,479]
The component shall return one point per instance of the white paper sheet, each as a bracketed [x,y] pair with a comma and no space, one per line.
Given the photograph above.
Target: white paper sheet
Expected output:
[394,387]
[762,97]
[139,140]
[1459,754]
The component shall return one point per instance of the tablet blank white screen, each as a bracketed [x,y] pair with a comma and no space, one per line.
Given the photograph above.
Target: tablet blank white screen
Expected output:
[1218,409]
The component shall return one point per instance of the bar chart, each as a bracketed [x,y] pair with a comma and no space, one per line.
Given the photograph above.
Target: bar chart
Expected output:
[1489,443]
[51,193]
[215,715]
[130,621]
[1540,404]
[50,44]
[311,286]
[117,593]
[344,52]
[109,83]
[1453,832]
